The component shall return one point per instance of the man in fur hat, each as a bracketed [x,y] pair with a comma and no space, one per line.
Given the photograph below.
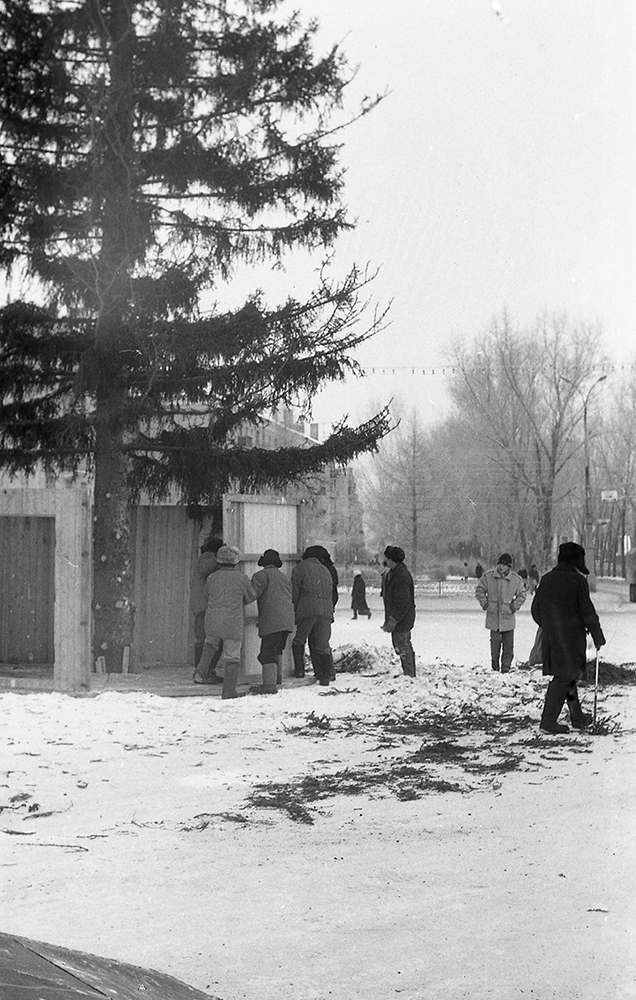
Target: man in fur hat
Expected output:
[398,594]
[564,610]
[501,593]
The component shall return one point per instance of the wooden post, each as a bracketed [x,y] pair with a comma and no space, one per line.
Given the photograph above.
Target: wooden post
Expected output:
[72,588]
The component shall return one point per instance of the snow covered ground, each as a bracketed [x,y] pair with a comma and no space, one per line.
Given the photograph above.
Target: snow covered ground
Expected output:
[384,837]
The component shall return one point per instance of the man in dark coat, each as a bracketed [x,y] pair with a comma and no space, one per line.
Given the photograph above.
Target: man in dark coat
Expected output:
[398,594]
[312,594]
[564,610]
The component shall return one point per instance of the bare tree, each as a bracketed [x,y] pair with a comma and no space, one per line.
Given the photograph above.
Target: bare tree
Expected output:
[520,390]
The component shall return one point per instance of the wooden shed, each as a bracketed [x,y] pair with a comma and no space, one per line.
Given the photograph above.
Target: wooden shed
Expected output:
[46,574]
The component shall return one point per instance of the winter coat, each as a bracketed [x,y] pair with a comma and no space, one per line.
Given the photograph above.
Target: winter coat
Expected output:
[398,594]
[312,588]
[228,591]
[500,597]
[206,564]
[273,591]
[359,594]
[564,610]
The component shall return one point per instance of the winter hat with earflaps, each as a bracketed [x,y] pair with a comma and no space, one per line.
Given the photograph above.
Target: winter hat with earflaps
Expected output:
[270,557]
[574,554]
[228,555]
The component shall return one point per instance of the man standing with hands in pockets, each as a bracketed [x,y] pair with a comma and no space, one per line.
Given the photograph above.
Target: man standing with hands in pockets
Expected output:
[501,593]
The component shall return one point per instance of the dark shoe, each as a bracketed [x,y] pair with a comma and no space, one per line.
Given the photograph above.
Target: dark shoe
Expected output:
[553,728]
[263,689]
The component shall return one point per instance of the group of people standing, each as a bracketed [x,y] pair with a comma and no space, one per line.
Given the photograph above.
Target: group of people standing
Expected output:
[564,612]
[303,604]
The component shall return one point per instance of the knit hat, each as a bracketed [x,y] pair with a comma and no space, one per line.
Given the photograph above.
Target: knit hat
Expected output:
[228,555]
[574,554]
[394,553]
[270,557]
[505,559]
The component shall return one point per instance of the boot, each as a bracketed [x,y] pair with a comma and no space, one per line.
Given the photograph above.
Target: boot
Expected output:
[279,669]
[578,717]
[269,681]
[554,699]
[298,653]
[324,662]
[230,678]
[203,663]
[332,668]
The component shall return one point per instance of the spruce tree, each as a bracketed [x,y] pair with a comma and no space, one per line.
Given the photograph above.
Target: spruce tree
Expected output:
[148,148]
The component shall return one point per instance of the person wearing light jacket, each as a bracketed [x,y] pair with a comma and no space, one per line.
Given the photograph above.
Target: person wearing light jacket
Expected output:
[228,591]
[501,593]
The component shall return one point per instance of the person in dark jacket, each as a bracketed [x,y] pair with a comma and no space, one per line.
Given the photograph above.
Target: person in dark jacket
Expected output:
[312,594]
[275,618]
[359,595]
[398,594]
[564,610]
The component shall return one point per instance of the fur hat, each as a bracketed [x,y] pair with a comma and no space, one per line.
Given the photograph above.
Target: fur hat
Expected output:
[228,555]
[505,559]
[270,557]
[211,544]
[394,553]
[574,554]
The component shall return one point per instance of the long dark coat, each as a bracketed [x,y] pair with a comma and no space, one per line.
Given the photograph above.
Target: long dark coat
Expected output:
[564,610]
[359,594]
[398,593]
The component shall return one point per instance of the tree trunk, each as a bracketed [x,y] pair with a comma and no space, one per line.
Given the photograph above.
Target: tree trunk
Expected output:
[113,607]
[112,570]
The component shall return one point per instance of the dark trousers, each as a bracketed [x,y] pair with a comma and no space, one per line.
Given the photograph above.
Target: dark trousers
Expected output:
[502,644]
[402,645]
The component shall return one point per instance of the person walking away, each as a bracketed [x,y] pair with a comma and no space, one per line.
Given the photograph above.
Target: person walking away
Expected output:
[398,594]
[562,607]
[359,595]
[501,593]
[533,578]
[479,571]
[312,596]
[273,591]
[228,591]
[206,564]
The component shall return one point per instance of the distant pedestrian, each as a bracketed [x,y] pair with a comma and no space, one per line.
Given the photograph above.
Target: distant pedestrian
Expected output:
[563,609]
[206,564]
[523,573]
[501,593]
[479,571]
[398,594]
[533,578]
[312,594]
[465,571]
[228,591]
[359,595]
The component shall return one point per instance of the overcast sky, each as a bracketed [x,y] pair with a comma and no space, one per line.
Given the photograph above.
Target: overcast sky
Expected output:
[499,171]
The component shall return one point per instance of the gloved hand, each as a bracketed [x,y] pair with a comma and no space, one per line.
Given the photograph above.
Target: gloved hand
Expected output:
[389,625]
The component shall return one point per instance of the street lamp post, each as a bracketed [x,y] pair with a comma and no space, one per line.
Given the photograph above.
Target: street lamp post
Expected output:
[588,527]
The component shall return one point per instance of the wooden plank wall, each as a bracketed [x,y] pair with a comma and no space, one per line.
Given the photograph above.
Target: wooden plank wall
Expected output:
[255,523]
[164,542]
[69,506]
[27,591]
